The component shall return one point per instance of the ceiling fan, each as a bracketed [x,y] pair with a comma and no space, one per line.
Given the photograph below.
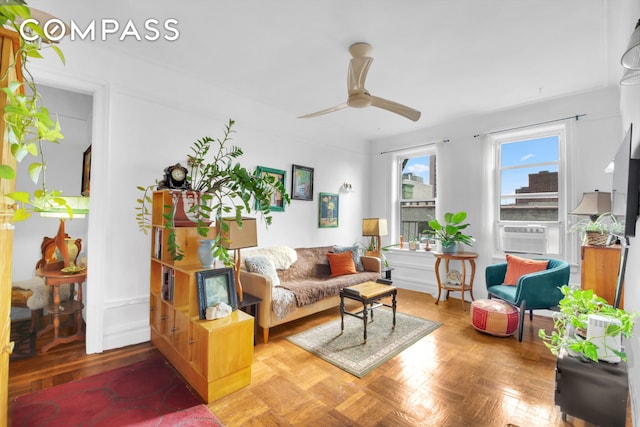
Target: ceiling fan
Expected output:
[359,97]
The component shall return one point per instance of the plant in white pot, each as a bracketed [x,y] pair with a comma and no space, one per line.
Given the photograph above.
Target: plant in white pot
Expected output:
[449,232]
[226,189]
[571,324]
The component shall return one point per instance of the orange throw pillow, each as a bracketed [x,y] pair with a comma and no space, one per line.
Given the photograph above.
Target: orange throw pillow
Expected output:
[517,267]
[341,263]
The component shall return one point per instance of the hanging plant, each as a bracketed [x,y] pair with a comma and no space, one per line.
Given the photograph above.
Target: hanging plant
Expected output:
[29,123]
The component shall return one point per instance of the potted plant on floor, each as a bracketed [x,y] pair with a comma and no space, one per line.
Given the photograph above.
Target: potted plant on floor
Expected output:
[225,188]
[449,233]
[570,325]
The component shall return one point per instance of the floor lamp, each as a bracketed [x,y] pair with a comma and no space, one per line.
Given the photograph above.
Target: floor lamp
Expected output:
[236,237]
[374,227]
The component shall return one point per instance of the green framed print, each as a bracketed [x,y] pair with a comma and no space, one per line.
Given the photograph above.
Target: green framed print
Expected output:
[277,201]
[328,212]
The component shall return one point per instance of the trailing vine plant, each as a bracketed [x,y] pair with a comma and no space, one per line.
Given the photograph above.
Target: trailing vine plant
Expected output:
[29,123]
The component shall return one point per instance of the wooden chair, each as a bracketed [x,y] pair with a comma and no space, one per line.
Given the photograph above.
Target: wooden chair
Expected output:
[33,293]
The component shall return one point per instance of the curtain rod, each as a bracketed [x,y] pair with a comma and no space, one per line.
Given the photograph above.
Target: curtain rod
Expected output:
[426,144]
[577,116]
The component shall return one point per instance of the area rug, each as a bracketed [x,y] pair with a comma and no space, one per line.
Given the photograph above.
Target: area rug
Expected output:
[24,339]
[147,393]
[348,350]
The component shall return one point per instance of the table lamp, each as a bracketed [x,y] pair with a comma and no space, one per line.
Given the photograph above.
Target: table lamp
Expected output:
[237,237]
[593,204]
[374,227]
[77,207]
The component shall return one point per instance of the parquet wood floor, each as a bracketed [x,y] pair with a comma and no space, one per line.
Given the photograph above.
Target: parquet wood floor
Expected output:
[455,376]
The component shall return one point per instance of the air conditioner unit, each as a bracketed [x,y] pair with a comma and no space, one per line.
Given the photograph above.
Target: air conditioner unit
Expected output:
[596,333]
[526,239]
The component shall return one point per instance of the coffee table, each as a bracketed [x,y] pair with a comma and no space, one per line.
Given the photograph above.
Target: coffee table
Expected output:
[369,294]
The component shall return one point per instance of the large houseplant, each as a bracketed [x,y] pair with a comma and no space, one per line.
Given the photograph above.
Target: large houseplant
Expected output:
[28,121]
[570,324]
[226,190]
[449,233]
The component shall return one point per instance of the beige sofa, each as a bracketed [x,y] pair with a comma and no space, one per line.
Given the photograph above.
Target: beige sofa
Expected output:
[306,286]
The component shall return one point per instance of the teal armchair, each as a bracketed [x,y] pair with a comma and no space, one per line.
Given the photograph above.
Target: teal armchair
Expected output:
[534,291]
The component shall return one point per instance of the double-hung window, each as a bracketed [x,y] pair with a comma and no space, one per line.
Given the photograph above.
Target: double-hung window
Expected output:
[418,191]
[529,184]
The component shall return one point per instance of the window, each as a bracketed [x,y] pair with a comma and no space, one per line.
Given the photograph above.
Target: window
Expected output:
[529,182]
[417,194]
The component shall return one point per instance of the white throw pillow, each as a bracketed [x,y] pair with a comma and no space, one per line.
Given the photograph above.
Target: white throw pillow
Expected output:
[263,265]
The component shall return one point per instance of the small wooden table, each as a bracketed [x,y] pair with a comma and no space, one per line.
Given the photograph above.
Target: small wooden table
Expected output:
[72,307]
[249,305]
[463,286]
[368,293]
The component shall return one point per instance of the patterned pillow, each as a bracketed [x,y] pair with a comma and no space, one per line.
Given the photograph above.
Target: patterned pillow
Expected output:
[355,253]
[262,265]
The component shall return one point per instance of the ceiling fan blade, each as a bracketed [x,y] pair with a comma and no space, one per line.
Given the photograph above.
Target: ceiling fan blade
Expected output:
[325,111]
[358,69]
[394,107]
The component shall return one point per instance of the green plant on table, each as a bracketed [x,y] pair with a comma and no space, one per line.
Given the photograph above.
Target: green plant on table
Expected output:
[450,231]
[570,324]
[226,190]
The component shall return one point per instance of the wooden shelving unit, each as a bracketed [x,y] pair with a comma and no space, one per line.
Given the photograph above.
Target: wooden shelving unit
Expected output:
[214,356]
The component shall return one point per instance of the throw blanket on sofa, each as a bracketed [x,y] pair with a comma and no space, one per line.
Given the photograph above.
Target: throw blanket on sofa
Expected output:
[310,291]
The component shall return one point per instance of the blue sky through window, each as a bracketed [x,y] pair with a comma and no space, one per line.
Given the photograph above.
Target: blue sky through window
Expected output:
[418,166]
[528,156]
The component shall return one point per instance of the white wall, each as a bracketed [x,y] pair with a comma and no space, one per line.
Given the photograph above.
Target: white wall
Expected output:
[146,120]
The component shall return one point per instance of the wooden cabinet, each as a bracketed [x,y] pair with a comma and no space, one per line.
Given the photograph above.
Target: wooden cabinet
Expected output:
[599,272]
[214,356]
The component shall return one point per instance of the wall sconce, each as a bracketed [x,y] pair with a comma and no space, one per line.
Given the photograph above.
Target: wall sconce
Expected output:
[346,187]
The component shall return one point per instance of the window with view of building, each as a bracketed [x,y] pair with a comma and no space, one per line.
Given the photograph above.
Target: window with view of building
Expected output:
[529,176]
[418,195]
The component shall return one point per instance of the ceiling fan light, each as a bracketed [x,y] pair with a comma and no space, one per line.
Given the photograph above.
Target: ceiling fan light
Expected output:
[631,57]
[630,77]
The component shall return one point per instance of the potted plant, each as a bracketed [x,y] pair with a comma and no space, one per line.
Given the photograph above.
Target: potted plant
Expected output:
[28,121]
[449,232]
[226,189]
[595,230]
[570,325]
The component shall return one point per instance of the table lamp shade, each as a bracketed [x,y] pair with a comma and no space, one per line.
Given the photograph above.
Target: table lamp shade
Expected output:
[238,237]
[593,204]
[374,227]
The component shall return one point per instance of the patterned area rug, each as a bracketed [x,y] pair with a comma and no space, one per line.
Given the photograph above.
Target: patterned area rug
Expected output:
[348,350]
[24,339]
[147,393]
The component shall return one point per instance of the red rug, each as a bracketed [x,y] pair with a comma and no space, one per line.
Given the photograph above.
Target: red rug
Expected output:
[147,393]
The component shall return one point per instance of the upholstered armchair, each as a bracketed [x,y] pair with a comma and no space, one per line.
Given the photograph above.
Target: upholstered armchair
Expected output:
[533,291]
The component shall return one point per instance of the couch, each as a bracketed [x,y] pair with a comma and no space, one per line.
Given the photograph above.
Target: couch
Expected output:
[303,288]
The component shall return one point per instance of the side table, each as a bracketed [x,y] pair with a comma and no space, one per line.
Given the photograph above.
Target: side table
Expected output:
[249,305]
[72,307]
[368,293]
[463,257]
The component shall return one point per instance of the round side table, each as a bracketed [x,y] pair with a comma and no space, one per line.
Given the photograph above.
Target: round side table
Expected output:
[463,257]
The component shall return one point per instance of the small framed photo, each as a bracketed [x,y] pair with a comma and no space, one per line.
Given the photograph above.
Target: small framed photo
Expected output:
[301,183]
[216,286]
[86,173]
[329,210]
[277,201]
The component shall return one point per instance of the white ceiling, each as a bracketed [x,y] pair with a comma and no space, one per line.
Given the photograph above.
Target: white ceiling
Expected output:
[446,58]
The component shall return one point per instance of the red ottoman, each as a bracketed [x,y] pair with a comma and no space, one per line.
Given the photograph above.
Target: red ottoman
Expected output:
[494,317]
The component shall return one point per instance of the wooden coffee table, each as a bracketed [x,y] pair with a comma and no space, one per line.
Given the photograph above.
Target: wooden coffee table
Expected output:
[369,294]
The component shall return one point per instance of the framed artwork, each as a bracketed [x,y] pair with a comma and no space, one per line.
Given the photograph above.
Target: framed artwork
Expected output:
[86,173]
[328,211]
[277,202]
[216,286]
[301,183]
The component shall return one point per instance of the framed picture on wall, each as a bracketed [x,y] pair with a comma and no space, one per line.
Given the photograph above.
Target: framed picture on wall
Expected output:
[216,286]
[86,173]
[277,201]
[301,183]
[328,211]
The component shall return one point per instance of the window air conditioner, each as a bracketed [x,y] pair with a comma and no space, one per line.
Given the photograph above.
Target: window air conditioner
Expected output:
[526,239]
[596,330]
